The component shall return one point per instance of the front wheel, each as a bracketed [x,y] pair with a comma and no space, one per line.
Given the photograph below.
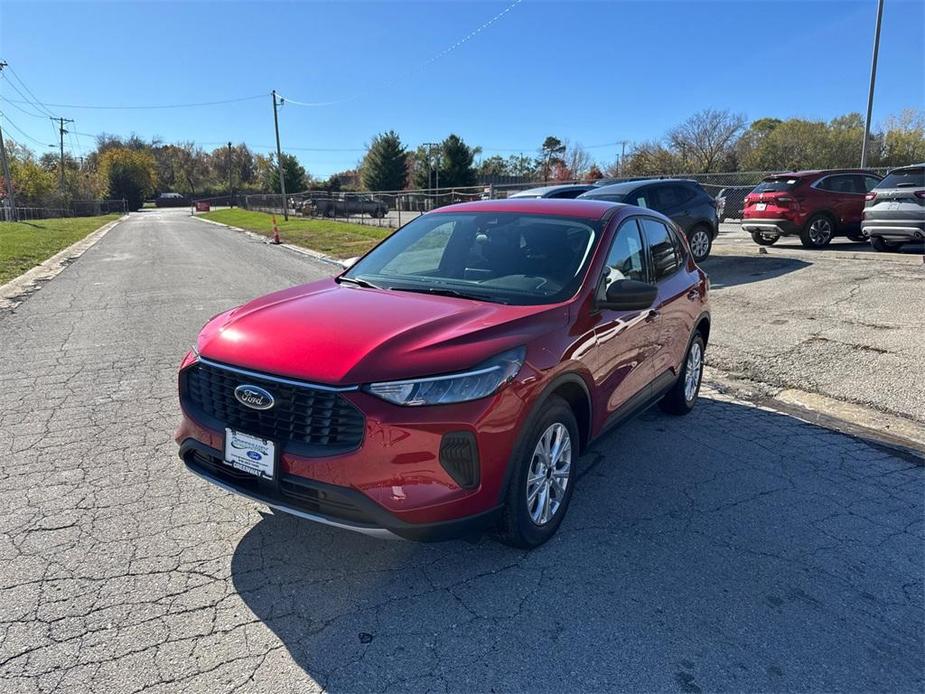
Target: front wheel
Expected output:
[818,231]
[701,241]
[683,394]
[543,477]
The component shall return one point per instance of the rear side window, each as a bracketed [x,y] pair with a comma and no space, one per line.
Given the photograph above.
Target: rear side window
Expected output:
[665,259]
[844,183]
[607,197]
[904,178]
[776,185]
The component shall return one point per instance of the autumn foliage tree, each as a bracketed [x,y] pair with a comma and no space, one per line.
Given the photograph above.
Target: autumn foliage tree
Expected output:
[129,174]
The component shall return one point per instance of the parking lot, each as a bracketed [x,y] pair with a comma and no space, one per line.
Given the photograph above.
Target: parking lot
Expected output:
[739,548]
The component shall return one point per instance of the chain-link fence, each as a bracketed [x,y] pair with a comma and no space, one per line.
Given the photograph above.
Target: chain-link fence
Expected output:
[394,208]
[379,208]
[76,208]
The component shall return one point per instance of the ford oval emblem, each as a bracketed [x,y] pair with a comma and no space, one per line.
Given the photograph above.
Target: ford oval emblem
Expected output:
[254,397]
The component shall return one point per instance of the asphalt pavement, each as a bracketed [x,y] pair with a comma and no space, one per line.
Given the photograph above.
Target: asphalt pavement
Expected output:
[736,549]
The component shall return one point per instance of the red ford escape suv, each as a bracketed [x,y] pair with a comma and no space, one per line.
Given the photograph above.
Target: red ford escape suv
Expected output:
[814,205]
[448,381]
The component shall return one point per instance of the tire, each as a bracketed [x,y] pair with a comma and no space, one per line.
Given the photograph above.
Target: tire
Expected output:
[525,522]
[700,239]
[880,245]
[762,240]
[818,231]
[683,394]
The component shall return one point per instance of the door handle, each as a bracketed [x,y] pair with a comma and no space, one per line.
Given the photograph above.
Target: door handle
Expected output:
[652,315]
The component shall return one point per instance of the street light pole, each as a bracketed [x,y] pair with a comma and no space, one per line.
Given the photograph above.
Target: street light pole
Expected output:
[873,79]
[279,158]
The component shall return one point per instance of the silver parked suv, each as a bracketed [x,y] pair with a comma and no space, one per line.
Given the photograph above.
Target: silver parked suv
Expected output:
[894,212]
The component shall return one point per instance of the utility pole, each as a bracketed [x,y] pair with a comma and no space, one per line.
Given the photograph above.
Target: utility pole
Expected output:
[433,166]
[279,157]
[623,144]
[230,166]
[873,79]
[61,133]
[11,199]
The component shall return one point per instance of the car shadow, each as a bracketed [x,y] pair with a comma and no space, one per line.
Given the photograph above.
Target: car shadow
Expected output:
[732,270]
[736,548]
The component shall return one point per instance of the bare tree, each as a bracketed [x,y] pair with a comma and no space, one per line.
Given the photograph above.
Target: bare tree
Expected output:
[707,138]
[577,161]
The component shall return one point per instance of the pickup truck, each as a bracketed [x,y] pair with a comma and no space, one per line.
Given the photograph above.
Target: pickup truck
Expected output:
[349,205]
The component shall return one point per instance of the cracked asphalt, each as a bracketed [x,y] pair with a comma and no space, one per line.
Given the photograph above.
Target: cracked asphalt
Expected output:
[845,322]
[737,549]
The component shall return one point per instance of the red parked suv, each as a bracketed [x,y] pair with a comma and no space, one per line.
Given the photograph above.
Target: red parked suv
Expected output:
[814,205]
[448,381]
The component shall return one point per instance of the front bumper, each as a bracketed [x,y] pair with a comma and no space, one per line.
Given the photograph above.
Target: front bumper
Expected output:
[327,504]
[776,227]
[399,480]
[894,229]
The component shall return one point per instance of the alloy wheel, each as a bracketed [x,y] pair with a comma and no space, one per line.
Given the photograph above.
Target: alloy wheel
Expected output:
[692,371]
[820,231]
[700,243]
[549,474]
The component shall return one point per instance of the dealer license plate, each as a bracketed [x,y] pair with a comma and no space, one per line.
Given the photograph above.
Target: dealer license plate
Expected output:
[761,206]
[250,454]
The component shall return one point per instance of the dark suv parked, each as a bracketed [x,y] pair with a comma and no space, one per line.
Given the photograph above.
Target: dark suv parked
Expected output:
[685,202]
[350,205]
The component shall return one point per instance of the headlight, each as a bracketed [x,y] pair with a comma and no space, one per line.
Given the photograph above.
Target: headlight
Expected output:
[473,384]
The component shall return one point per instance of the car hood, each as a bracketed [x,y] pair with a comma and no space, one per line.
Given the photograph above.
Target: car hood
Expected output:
[344,335]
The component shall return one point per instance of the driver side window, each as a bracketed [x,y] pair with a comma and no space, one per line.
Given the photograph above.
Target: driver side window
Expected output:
[626,260]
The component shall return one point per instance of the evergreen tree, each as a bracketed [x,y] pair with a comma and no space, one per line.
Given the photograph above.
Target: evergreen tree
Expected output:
[456,158]
[384,166]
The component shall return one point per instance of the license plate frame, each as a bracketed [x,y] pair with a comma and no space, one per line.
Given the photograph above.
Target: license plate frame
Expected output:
[251,454]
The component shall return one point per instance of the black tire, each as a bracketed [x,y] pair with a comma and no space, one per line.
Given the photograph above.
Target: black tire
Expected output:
[676,400]
[882,246]
[818,231]
[516,527]
[762,240]
[700,239]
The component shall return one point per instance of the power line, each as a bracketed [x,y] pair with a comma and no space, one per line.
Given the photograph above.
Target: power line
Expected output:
[155,106]
[433,59]
[14,104]
[23,132]
[42,106]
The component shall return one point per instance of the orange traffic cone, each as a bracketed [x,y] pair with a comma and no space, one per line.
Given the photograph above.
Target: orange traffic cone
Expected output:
[275,232]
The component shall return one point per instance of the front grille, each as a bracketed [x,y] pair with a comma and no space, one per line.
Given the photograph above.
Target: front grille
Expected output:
[310,420]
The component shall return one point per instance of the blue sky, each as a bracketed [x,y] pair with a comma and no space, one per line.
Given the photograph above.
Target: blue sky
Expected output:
[589,72]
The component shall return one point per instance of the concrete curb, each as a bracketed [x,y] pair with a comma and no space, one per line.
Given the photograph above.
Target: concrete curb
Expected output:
[872,426]
[291,247]
[17,289]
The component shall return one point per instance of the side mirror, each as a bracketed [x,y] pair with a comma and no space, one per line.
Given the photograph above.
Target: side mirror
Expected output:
[629,295]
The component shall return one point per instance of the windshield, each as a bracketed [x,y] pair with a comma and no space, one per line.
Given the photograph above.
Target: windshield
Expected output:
[504,257]
[776,185]
[904,178]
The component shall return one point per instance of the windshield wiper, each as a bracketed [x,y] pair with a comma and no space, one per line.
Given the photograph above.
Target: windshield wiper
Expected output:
[358,282]
[446,291]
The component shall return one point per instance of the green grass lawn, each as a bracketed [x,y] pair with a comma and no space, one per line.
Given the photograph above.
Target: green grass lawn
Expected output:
[338,239]
[23,245]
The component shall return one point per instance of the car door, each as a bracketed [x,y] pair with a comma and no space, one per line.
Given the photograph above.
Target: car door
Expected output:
[624,341]
[676,300]
[842,198]
[669,200]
